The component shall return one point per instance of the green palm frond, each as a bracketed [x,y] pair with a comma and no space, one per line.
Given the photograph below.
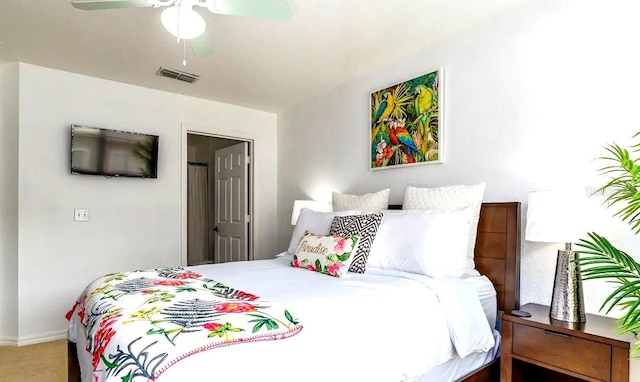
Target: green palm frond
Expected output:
[624,186]
[402,98]
[600,259]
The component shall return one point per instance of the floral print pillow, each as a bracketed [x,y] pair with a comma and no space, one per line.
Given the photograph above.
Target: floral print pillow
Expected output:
[328,254]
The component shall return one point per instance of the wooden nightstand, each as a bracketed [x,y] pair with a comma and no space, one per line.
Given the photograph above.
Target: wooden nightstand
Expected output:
[537,349]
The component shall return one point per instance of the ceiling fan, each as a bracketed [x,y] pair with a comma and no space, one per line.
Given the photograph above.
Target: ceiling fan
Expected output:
[184,23]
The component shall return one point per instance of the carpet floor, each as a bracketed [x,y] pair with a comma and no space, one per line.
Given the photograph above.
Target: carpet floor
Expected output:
[45,362]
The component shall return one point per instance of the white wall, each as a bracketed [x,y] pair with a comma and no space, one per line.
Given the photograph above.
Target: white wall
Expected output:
[8,203]
[135,223]
[530,99]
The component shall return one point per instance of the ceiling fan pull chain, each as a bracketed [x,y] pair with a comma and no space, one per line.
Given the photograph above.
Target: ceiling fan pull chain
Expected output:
[184,53]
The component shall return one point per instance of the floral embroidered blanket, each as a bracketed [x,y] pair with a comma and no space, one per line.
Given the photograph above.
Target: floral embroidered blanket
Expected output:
[138,324]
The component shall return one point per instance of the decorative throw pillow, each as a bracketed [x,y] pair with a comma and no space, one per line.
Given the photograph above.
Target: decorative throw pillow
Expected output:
[326,254]
[374,202]
[364,225]
[314,221]
[449,198]
[431,243]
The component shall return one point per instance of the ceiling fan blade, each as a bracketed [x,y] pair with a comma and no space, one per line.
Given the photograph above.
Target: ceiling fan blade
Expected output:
[95,5]
[266,9]
[201,46]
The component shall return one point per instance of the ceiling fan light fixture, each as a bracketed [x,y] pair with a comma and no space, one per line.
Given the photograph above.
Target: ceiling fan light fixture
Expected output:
[183,22]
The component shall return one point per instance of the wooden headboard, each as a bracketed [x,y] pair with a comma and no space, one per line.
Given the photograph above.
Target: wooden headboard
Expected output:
[497,251]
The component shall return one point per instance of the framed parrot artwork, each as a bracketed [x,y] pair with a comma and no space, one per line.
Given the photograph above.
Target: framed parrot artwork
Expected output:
[406,123]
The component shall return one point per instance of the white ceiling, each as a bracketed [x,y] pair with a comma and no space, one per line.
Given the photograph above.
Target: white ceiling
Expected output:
[263,64]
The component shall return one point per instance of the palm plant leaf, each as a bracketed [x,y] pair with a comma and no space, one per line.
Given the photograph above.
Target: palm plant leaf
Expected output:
[624,186]
[600,259]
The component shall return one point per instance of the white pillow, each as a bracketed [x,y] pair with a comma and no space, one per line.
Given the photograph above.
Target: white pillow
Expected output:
[432,243]
[449,198]
[313,221]
[373,202]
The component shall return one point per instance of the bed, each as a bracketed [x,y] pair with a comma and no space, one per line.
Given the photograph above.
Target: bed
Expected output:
[496,257]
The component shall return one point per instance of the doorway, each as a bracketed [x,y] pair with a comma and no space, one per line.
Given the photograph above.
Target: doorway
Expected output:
[218,201]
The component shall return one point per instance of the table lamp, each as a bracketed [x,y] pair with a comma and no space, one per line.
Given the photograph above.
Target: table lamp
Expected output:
[314,205]
[561,217]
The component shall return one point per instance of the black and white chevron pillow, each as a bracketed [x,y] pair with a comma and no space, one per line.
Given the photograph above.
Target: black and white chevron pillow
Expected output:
[364,225]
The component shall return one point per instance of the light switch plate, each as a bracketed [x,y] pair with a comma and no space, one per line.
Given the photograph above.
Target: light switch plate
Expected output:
[81,214]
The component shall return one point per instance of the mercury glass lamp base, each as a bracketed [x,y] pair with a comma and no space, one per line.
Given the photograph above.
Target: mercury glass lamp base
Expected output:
[567,302]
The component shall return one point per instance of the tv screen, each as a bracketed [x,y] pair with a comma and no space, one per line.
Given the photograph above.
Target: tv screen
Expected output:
[96,151]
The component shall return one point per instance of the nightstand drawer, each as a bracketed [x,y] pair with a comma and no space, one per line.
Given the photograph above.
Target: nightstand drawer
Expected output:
[589,358]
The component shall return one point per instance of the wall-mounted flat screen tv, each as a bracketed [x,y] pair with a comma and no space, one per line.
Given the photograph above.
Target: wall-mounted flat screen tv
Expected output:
[96,151]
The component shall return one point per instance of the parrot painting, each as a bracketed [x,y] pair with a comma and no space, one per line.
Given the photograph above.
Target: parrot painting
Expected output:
[398,135]
[405,122]
[385,109]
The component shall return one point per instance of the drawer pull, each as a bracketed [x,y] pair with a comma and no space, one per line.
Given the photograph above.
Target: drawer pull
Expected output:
[556,333]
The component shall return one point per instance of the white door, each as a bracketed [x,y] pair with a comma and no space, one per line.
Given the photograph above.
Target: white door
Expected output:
[231,222]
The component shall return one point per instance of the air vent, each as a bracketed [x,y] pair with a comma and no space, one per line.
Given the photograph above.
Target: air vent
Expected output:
[177,75]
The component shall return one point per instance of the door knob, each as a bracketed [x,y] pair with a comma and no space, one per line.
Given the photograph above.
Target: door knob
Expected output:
[215,229]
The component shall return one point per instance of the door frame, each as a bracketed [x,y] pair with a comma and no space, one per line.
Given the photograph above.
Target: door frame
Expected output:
[187,129]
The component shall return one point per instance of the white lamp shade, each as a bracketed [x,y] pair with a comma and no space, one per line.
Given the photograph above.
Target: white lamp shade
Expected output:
[557,217]
[314,205]
[183,22]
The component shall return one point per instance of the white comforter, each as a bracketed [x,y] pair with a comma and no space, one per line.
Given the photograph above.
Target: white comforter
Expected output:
[379,326]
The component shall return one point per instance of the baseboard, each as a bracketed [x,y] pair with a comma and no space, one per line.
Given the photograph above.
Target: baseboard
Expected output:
[8,341]
[44,337]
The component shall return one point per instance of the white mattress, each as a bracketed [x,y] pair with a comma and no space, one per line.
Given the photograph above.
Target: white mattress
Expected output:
[419,322]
